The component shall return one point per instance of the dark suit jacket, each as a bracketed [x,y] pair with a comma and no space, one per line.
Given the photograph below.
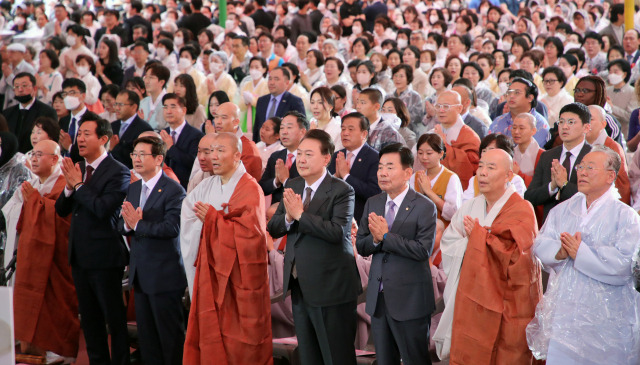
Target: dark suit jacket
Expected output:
[287,103]
[363,176]
[401,260]
[129,23]
[22,131]
[64,125]
[372,11]
[266,181]
[155,244]
[477,126]
[538,191]
[94,241]
[122,150]
[117,30]
[261,17]
[180,157]
[195,22]
[320,244]
[608,30]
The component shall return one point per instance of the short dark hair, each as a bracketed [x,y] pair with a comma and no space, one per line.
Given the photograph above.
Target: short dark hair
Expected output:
[364,122]
[276,123]
[617,10]
[502,142]
[319,57]
[301,119]
[557,71]
[434,141]
[49,126]
[285,72]
[103,126]
[623,64]
[73,82]
[160,71]
[157,146]
[374,95]
[407,70]
[142,27]
[338,62]
[531,89]
[132,97]
[577,108]
[174,96]
[326,143]
[243,39]
[557,43]
[446,74]
[401,110]
[52,56]
[406,157]
[26,74]
[473,65]
[593,35]
[136,5]
[197,4]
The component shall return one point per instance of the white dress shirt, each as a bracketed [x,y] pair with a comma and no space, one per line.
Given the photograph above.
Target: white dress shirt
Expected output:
[575,151]
[314,187]
[94,164]
[351,160]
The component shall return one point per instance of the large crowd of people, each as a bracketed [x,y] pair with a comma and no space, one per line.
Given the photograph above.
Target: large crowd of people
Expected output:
[453,181]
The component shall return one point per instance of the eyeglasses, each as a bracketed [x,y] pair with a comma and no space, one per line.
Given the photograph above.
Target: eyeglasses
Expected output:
[121,104]
[589,169]
[38,155]
[147,77]
[22,86]
[70,93]
[549,82]
[170,107]
[569,122]
[513,92]
[445,107]
[134,155]
[583,91]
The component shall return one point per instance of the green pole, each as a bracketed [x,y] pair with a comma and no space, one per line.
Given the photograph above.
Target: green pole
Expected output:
[222,13]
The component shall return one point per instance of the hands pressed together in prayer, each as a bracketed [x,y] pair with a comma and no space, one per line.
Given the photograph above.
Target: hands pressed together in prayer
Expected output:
[201,209]
[423,181]
[439,131]
[282,172]
[469,223]
[64,140]
[569,245]
[292,205]
[378,227]
[27,190]
[342,166]
[558,174]
[131,215]
[72,173]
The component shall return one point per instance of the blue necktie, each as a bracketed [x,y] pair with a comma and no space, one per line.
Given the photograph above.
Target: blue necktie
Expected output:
[72,130]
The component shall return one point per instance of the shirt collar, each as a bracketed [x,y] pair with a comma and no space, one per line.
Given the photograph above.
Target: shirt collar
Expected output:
[33,100]
[316,184]
[97,162]
[153,181]
[400,198]
[179,129]
[128,121]
[80,114]
[239,133]
[278,97]
[375,124]
[357,150]
[575,151]
[453,132]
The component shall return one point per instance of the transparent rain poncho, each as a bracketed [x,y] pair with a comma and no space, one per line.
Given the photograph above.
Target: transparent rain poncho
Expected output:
[590,311]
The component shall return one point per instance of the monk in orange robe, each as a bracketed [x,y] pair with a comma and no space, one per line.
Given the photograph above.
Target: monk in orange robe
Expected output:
[598,136]
[527,152]
[230,318]
[45,302]
[487,310]
[461,141]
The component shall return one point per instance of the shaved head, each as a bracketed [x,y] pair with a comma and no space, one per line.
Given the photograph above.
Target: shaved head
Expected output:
[230,140]
[205,148]
[48,146]
[226,154]
[598,122]
[44,159]
[207,140]
[530,119]
[494,174]
[450,108]
[500,156]
[449,97]
[227,118]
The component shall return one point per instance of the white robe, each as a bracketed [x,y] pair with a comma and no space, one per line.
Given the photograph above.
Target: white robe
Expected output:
[590,311]
[209,191]
[453,246]
[13,208]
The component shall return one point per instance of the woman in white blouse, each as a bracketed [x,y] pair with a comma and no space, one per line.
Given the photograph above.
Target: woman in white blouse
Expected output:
[49,80]
[314,74]
[322,104]
[556,96]
[438,183]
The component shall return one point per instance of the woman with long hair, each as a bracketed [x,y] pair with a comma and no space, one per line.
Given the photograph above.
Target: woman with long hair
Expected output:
[108,68]
[322,103]
[186,88]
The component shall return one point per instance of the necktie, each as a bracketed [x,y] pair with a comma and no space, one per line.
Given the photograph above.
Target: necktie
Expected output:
[88,175]
[72,130]
[349,157]
[123,127]
[272,111]
[289,161]
[567,164]
[143,196]
[391,213]
[307,199]
[629,58]
[173,136]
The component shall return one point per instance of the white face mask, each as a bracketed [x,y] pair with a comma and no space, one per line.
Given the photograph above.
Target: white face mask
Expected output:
[506,46]
[455,7]
[82,70]
[178,41]
[101,20]
[126,7]
[255,74]
[293,10]
[19,21]
[426,66]
[228,24]
[484,11]
[161,53]
[402,43]
[321,7]
[155,26]
[357,29]
[323,30]
[363,79]
[71,40]
[239,11]
[571,45]
[216,67]
[391,118]
[430,47]
[561,37]
[433,19]
[184,64]
[503,87]
[615,79]
[71,102]
[567,71]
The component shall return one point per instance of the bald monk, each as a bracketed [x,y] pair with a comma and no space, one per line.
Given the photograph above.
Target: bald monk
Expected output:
[165,168]
[597,136]
[45,303]
[203,161]
[230,317]
[527,152]
[461,141]
[491,295]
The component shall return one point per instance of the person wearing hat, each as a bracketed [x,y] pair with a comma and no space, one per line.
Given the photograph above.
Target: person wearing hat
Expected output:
[140,54]
[17,64]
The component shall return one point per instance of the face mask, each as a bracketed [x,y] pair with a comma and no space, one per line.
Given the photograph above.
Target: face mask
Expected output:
[391,7]
[82,70]
[455,7]
[561,37]
[178,41]
[402,43]
[255,74]
[391,118]
[323,30]
[571,45]
[71,102]
[271,8]
[506,46]
[425,66]
[239,11]
[293,9]
[399,22]
[23,99]
[216,67]
[363,79]
[19,21]
[437,30]
[228,24]
[538,48]
[567,71]
[184,64]
[503,87]
[615,79]
[147,15]
[155,26]
[484,11]
[357,29]
[71,40]
[126,7]
[433,19]
[430,47]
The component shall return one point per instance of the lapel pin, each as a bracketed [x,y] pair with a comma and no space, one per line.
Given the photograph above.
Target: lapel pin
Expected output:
[407,208]
[359,160]
[159,190]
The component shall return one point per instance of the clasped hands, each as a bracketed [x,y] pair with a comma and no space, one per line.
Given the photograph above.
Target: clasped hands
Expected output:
[558,175]
[72,173]
[569,245]
[378,227]
[292,205]
[131,215]
[342,166]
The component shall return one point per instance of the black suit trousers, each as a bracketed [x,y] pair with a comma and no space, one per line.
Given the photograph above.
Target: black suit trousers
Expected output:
[100,303]
[326,335]
[395,340]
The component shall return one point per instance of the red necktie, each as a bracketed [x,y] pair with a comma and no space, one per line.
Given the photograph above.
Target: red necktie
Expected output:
[289,161]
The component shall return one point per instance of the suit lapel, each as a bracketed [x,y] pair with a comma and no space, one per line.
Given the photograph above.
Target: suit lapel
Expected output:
[319,198]
[283,103]
[157,191]
[405,209]
[102,168]
[134,197]
[583,152]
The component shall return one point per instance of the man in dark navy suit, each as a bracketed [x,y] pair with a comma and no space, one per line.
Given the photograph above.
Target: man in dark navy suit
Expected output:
[96,188]
[151,216]
[127,128]
[278,102]
[281,165]
[180,138]
[74,93]
[357,163]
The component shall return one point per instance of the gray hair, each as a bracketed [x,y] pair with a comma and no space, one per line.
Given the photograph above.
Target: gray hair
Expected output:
[529,118]
[613,159]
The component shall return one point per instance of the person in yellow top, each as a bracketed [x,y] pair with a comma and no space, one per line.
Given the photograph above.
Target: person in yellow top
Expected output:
[219,79]
[251,88]
[186,65]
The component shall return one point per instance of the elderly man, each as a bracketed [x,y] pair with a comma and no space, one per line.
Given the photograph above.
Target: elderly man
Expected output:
[461,141]
[230,319]
[45,304]
[488,308]
[588,242]
[597,136]
[16,64]
[527,152]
